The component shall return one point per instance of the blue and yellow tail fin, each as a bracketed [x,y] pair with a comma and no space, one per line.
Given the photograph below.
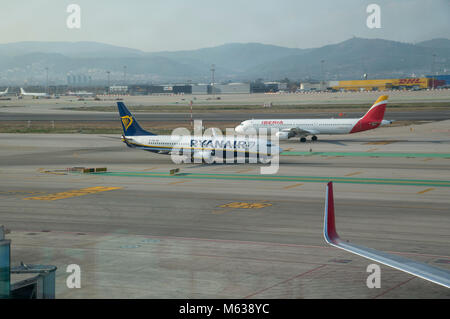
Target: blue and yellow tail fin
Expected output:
[129,124]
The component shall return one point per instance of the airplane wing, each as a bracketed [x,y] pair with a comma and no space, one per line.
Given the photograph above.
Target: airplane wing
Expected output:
[299,132]
[437,275]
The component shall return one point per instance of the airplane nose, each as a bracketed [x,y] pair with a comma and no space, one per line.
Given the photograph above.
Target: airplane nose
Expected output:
[239,129]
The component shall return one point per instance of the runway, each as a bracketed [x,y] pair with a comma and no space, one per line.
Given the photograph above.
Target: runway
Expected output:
[138,232]
[62,109]
[414,115]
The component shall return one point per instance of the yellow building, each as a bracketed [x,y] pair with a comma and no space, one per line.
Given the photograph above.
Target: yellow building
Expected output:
[379,85]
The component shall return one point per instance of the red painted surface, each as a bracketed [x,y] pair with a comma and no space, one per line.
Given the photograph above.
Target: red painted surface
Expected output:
[371,120]
[271,122]
[331,226]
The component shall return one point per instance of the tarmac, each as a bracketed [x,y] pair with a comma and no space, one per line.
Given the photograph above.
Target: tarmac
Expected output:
[225,230]
[88,116]
[61,109]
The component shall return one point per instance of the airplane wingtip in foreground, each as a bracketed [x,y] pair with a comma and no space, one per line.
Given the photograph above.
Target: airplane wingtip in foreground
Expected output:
[436,275]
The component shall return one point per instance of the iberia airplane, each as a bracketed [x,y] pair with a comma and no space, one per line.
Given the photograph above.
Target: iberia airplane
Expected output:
[305,127]
[204,148]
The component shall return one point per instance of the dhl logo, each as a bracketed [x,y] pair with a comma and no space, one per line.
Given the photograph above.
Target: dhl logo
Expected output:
[127,121]
[410,81]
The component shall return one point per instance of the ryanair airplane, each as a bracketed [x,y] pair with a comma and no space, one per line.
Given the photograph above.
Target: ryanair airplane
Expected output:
[208,149]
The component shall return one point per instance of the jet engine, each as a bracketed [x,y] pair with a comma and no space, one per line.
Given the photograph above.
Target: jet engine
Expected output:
[285,135]
[204,156]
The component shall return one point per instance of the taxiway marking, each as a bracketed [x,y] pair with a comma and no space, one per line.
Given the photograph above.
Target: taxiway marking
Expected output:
[245,170]
[73,193]
[380,142]
[284,178]
[352,174]
[292,186]
[179,182]
[425,191]
[245,205]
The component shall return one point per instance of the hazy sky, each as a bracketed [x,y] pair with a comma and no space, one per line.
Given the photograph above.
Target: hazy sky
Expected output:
[156,25]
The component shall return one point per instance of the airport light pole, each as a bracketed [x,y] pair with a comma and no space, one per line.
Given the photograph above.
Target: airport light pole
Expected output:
[46,83]
[108,72]
[192,121]
[323,77]
[213,69]
[432,70]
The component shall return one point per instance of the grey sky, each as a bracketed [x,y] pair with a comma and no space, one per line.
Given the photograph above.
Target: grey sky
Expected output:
[156,25]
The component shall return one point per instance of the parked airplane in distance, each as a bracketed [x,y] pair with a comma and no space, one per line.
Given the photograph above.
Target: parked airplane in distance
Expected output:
[305,127]
[4,92]
[425,271]
[204,148]
[34,95]
[80,94]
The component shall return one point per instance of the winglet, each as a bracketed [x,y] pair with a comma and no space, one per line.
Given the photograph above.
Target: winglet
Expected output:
[329,228]
[425,271]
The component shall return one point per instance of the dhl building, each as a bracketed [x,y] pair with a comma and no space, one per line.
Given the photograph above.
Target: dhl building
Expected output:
[379,85]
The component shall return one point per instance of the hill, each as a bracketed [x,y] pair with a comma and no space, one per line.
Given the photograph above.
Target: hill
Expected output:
[25,62]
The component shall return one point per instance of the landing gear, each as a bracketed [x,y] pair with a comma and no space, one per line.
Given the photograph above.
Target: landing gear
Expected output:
[313,138]
[265,159]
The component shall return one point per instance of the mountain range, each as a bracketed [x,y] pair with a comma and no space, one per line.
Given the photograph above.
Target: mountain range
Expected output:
[25,62]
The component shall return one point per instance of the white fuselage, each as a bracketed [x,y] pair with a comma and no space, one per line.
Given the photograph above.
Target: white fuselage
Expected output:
[81,94]
[35,94]
[314,126]
[23,93]
[213,145]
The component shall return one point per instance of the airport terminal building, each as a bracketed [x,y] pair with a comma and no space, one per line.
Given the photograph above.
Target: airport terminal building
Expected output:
[422,83]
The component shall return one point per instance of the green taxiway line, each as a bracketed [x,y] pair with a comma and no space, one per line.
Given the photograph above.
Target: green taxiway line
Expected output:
[280,178]
[368,154]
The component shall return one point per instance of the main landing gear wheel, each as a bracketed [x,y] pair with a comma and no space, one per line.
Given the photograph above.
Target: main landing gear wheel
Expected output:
[303,139]
[314,138]
[265,159]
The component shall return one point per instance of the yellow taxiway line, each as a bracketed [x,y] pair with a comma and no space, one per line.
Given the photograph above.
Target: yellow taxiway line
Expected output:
[73,193]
